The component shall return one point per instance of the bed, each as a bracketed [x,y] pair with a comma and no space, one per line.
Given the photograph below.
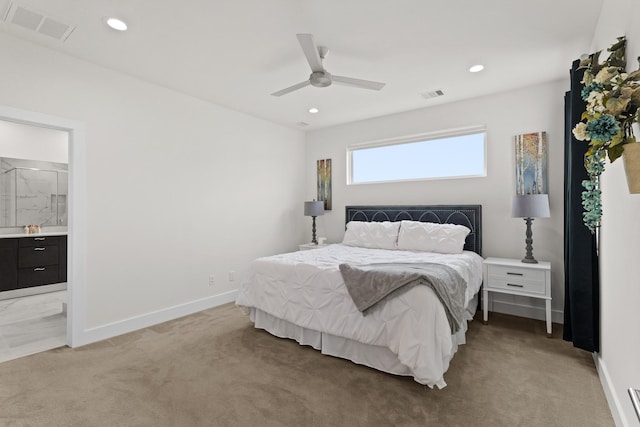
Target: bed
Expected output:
[302,296]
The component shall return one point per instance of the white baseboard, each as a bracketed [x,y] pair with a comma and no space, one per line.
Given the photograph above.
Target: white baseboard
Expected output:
[610,393]
[538,313]
[145,320]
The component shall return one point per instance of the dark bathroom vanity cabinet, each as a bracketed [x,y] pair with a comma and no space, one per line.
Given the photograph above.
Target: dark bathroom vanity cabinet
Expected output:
[33,260]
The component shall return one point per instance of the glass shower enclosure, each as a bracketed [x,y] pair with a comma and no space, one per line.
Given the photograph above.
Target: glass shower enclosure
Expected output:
[32,196]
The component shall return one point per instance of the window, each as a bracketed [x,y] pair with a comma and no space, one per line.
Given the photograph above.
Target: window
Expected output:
[450,154]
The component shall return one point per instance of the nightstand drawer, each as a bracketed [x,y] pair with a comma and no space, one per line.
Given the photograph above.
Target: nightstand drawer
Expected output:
[515,273]
[518,284]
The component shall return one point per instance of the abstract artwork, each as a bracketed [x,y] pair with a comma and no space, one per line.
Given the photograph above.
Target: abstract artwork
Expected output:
[531,163]
[324,183]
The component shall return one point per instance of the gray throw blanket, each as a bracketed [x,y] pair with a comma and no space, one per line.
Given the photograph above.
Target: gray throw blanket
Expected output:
[370,284]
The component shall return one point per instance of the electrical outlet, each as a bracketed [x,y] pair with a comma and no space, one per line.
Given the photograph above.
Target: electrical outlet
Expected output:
[212,280]
[232,276]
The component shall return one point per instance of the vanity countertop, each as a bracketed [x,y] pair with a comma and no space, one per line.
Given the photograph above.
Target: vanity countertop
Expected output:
[43,234]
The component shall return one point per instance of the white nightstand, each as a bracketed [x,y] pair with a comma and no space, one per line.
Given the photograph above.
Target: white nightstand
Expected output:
[308,246]
[512,276]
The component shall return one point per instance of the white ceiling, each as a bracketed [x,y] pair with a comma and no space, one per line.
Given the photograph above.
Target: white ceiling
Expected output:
[237,52]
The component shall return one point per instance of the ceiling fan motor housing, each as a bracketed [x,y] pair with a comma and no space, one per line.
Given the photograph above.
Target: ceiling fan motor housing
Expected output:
[320,79]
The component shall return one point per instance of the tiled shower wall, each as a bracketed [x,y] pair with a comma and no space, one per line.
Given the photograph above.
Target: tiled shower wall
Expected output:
[30,196]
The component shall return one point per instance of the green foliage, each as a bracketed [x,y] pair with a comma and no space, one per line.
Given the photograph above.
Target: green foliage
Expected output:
[615,152]
[613,104]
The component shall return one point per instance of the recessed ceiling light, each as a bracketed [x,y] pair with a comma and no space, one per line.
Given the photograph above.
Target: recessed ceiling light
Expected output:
[116,24]
[476,68]
[313,110]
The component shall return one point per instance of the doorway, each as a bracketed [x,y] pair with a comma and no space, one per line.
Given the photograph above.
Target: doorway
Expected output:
[33,241]
[76,205]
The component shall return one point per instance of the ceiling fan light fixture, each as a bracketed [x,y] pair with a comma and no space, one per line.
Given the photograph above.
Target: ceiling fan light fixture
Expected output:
[476,68]
[116,24]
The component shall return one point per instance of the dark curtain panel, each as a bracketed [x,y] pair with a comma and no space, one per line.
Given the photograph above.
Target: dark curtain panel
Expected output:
[582,287]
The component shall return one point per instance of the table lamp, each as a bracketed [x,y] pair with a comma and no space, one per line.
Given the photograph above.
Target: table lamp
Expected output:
[530,206]
[313,209]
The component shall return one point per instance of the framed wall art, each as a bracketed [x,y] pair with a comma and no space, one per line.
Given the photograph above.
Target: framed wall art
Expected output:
[531,163]
[324,183]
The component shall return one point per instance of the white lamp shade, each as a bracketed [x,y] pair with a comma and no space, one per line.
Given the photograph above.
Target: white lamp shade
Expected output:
[530,206]
[314,208]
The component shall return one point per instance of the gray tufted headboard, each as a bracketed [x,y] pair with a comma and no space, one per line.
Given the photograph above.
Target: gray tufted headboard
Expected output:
[468,215]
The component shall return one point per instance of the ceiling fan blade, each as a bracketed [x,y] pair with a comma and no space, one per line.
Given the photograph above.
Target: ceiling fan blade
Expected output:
[310,51]
[291,88]
[364,84]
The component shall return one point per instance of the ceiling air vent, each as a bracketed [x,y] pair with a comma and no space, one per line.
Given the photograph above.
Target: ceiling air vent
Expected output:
[302,124]
[38,21]
[432,94]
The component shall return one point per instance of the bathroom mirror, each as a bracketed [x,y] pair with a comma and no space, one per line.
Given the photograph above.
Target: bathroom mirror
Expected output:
[33,192]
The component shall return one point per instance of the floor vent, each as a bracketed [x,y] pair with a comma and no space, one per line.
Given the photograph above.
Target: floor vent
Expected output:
[38,21]
[432,94]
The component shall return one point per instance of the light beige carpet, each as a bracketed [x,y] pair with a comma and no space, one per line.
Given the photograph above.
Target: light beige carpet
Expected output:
[214,369]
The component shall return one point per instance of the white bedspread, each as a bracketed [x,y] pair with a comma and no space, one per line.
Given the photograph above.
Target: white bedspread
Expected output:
[306,289]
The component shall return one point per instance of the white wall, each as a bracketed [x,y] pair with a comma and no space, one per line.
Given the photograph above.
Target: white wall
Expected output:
[21,141]
[619,357]
[176,188]
[532,109]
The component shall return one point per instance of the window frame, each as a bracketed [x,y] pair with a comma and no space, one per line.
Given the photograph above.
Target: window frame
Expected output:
[408,139]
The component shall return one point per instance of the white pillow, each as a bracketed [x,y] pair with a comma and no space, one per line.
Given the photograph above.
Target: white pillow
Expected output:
[431,237]
[376,235]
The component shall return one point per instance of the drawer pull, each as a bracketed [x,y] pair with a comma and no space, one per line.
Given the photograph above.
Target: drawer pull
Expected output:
[39,238]
[39,249]
[515,286]
[514,274]
[39,269]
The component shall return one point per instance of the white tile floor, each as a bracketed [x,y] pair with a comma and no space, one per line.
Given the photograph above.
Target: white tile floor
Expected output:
[32,324]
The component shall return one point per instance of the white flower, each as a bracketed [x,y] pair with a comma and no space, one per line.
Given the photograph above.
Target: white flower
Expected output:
[595,102]
[595,97]
[580,132]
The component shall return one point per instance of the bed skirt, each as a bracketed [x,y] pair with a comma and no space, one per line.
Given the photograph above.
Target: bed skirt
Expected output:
[377,357]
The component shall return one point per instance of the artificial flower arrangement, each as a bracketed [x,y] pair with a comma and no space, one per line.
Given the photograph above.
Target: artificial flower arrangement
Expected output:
[613,98]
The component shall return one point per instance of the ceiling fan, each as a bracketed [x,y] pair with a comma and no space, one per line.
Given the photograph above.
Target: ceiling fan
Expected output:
[319,76]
